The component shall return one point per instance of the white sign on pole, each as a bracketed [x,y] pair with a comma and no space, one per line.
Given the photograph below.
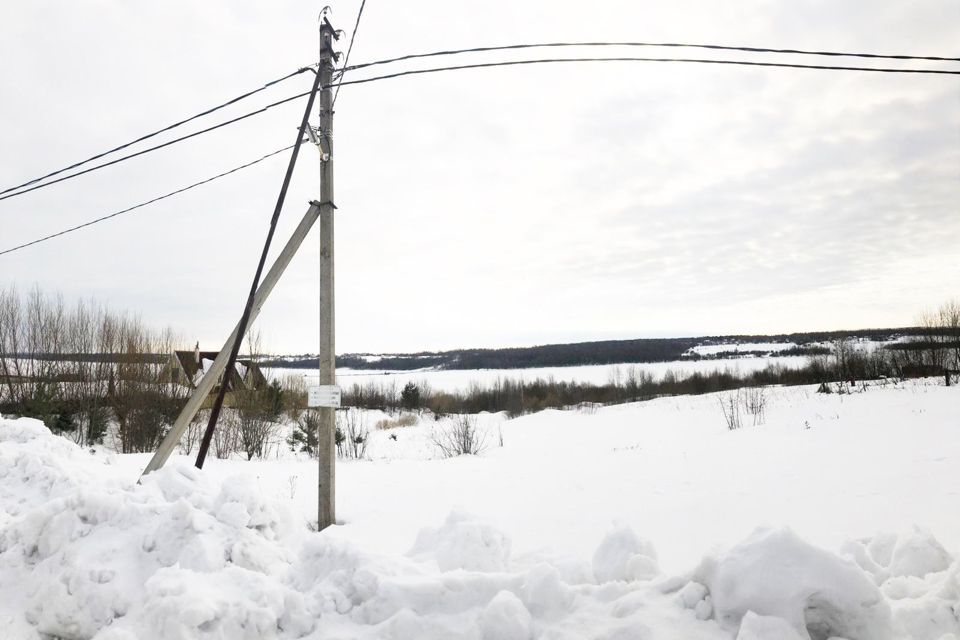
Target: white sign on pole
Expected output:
[323,396]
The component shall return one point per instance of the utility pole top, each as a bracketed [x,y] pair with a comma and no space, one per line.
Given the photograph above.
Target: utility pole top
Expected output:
[325,27]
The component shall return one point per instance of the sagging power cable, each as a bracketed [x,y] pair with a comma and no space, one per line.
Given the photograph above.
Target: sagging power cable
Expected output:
[143,204]
[157,132]
[748,63]
[156,147]
[248,308]
[715,47]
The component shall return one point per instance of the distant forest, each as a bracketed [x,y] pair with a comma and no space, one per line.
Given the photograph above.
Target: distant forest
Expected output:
[583,353]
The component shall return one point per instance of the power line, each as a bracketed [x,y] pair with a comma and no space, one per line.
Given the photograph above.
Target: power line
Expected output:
[353,37]
[158,131]
[143,204]
[154,148]
[340,83]
[787,65]
[457,68]
[715,47]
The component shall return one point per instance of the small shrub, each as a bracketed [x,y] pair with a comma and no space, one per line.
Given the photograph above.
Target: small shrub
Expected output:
[405,420]
[410,396]
[730,406]
[352,434]
[304,435]
[755,402]
[294,396]
[226,437]
[460,437]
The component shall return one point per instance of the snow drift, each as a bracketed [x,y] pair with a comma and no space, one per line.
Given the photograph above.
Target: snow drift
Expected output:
[86,553]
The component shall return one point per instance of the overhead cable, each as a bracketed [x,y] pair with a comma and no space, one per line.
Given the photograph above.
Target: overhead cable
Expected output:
[715,47]
[143,204]
[787,65]
[157,132]
[154,148]
[346,60]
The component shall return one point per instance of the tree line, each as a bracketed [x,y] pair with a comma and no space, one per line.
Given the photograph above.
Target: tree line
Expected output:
[587,353]
[933,350]
[98,376]
[42,377]
[95,375]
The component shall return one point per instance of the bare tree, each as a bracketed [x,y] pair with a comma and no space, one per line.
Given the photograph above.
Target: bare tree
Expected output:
[258,409]
[949,316]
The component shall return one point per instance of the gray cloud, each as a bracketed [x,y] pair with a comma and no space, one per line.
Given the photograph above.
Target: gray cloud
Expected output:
[501,206]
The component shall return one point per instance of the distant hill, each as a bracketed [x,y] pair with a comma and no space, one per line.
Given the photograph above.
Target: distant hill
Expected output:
[600,352]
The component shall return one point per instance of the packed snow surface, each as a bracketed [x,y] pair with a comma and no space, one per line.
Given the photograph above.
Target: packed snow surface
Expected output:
[836,518]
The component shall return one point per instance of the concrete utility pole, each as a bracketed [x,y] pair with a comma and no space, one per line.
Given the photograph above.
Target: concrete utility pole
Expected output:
[326,449]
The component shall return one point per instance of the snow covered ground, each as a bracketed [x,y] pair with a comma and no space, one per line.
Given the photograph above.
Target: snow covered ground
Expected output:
[837,517]
[745,347]
[460,380]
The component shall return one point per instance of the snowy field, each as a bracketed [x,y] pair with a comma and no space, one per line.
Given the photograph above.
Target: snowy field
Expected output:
[460,380]
[837,517]
[746,347]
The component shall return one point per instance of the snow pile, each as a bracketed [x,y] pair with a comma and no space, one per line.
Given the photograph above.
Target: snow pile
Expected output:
[86,553]
[174,556]
[774,573]
[463,543]
[919,578]
[623,555]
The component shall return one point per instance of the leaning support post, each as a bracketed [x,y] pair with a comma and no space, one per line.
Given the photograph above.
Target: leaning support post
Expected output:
[211,376]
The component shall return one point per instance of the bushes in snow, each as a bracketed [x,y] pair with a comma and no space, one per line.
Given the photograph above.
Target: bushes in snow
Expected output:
[631,384]
[752,401]
[352,434]
[403,420]
[304,435]
[459,437]
[77,368]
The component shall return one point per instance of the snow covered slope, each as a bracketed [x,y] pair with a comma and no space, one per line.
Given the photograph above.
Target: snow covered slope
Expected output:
[648,521]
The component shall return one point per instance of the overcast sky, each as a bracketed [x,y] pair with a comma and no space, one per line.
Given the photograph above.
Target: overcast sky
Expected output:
[499,207]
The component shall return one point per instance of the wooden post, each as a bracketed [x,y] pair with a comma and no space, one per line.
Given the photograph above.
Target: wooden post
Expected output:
[326,449]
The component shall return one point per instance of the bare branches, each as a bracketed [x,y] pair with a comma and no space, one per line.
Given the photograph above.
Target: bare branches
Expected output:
[459,437]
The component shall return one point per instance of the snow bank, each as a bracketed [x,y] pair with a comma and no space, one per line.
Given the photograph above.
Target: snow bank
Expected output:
[87,554]
[920,580]
[463,543]
[623,555]
[820,595]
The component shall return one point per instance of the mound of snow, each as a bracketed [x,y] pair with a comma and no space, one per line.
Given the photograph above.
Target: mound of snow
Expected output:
[463,542]
[918,554]
[754,627]
[505,618]
[87,554]
[820,595]
[623,555]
